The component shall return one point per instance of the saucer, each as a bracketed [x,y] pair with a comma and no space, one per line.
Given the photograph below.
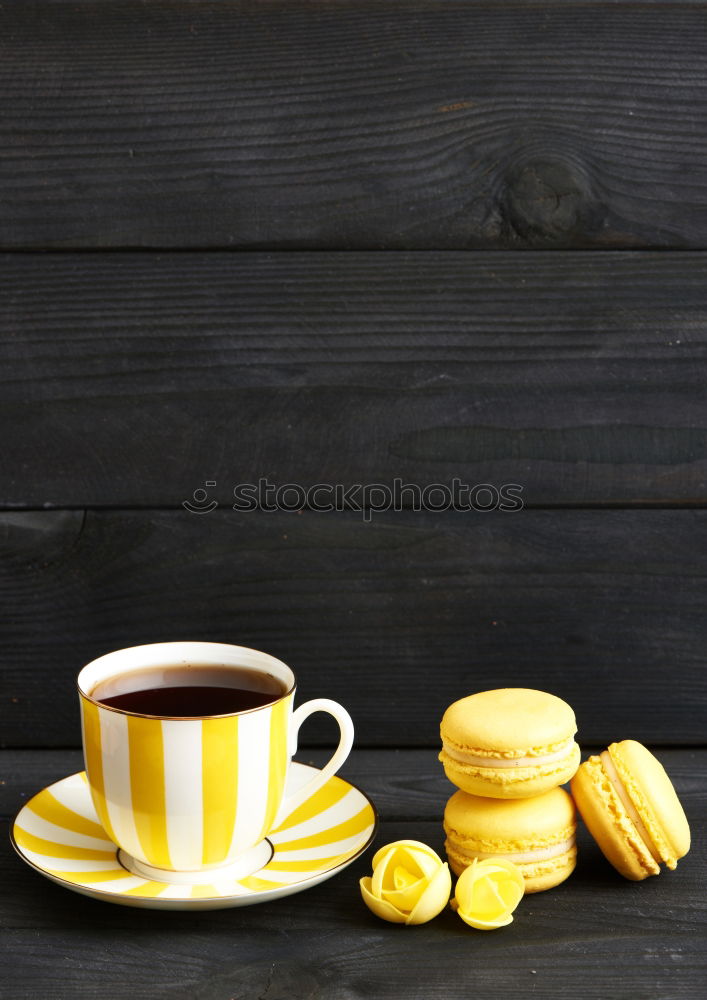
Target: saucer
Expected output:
[57,832]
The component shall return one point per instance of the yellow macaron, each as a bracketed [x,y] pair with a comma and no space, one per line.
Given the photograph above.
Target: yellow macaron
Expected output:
[510,743]
[537,835]
[632,810]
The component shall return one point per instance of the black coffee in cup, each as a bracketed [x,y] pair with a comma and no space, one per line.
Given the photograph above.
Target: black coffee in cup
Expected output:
[189,690]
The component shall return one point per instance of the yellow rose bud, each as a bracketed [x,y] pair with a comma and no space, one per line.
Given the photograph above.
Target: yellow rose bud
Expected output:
[410,883]
[488,892]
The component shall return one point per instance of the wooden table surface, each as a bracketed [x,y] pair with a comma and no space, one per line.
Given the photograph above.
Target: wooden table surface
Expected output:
[595,936]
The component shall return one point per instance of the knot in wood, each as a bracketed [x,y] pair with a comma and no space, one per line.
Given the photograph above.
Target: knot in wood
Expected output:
[547,200]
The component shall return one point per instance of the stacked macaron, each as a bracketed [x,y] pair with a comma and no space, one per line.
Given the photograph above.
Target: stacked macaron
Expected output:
[509,744]
[536,834]
[508,751]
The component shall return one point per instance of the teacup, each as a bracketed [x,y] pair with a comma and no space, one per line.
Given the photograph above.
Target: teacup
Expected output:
[188,794]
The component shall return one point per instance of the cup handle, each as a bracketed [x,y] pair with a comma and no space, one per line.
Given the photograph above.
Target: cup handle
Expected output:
[291,802]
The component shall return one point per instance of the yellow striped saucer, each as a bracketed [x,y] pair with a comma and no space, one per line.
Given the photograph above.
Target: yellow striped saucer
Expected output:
[57,833]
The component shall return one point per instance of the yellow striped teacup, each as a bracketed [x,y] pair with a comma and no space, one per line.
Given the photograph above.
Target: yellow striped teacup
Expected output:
[183,795]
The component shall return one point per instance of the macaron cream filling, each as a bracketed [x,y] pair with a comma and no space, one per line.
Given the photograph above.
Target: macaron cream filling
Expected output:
[609,821]
[620,789]
[527,857]
[477,760]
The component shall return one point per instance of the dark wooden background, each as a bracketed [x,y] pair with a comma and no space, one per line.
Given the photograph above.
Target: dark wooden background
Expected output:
[409,124]
[351,242]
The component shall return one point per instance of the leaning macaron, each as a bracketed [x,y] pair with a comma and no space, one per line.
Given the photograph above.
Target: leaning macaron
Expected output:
[537,835]
[632,810]
[510,743]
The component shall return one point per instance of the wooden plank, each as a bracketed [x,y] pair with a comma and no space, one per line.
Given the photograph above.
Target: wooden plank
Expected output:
[395,618]
[132,379]
[595,936]
[405,785]
[407,124]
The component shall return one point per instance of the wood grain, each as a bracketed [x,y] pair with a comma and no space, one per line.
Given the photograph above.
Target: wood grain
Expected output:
[354,125]
[595,936]
[406,785]
[132,379]
[395,618]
